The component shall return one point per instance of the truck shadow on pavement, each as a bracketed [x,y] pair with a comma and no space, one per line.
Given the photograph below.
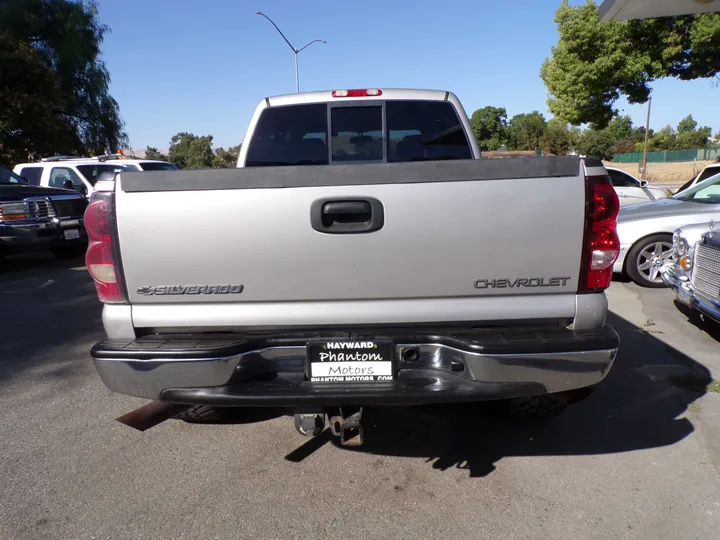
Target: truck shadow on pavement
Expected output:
[51,308]
[707,325]
[639,405]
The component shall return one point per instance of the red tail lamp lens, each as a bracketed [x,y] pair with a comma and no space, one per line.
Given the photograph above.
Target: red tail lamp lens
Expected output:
[601,245]
[99,258]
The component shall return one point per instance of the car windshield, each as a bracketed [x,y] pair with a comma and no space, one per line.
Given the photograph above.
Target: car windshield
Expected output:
[706,192]
[704,175]
[92,172]
[9,177]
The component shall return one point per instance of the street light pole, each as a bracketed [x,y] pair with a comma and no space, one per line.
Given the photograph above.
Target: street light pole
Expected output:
[294,50]
[297,74]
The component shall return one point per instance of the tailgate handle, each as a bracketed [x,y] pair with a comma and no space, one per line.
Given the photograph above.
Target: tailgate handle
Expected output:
[354,211]
[347,215]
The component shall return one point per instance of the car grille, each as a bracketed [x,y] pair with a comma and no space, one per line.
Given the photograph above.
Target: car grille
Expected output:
[706,275]
[69,208]
[37,209]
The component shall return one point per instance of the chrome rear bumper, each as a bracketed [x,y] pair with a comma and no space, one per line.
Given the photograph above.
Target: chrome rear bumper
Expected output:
[467,365]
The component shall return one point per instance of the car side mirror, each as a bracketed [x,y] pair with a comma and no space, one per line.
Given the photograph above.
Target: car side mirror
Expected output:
[643,183]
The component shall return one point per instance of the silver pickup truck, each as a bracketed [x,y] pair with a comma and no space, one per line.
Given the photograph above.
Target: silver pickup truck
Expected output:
[362,253]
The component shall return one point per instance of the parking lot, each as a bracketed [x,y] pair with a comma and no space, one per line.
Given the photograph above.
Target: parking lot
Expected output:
[638,459]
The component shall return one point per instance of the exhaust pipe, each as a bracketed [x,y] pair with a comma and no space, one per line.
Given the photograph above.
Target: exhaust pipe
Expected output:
[151,415]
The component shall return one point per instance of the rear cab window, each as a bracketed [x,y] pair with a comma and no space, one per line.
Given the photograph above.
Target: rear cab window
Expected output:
[353,132]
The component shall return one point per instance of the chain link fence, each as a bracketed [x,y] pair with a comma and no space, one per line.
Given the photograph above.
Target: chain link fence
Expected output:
[670,156]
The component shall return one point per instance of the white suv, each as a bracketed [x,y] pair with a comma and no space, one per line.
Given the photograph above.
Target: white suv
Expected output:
[83,172]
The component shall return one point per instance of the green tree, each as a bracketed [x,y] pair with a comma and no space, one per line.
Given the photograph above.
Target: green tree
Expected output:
[663,139]
[556,138]
[689,136]
[595,143]
[225,159]
[525,130]
[152,153]
[66,85]
[624,146]
[595,63]
[575,134]
[620,128]
[688,140]
[28,121]
[638,134]
[489,124]
[189,151]
[687,125]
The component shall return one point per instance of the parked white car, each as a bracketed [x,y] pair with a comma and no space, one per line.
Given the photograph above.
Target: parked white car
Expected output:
[83,172]
[646,230]
[630,190]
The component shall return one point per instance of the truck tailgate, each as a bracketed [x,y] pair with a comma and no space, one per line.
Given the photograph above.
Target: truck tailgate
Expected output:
[450,230]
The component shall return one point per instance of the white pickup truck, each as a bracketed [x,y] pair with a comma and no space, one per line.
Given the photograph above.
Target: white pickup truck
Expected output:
[362,253]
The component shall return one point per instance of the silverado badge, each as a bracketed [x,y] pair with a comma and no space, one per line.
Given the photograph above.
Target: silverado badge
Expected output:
[175,290]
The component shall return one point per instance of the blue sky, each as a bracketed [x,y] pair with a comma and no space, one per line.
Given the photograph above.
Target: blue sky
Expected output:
[202,66]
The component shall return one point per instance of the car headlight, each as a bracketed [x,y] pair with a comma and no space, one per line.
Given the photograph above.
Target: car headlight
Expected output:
[680,245]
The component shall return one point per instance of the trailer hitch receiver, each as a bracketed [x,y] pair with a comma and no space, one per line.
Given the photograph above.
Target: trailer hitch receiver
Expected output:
[347,425]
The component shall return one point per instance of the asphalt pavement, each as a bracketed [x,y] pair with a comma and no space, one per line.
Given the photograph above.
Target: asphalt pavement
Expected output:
[637,460]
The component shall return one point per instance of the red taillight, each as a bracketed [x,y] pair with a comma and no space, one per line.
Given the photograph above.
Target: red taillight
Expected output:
[601,245]
[100,260]
[363,92]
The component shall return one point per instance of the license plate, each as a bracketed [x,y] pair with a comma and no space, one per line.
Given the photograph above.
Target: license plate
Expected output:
[350,361]
[71,234]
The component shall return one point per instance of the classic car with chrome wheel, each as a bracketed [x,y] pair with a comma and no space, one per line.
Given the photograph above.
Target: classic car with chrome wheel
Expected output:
[646,230]
[34,217]
[695,273]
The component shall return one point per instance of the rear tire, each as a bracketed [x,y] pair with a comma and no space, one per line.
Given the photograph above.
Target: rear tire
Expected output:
[645,259]
[202,414]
